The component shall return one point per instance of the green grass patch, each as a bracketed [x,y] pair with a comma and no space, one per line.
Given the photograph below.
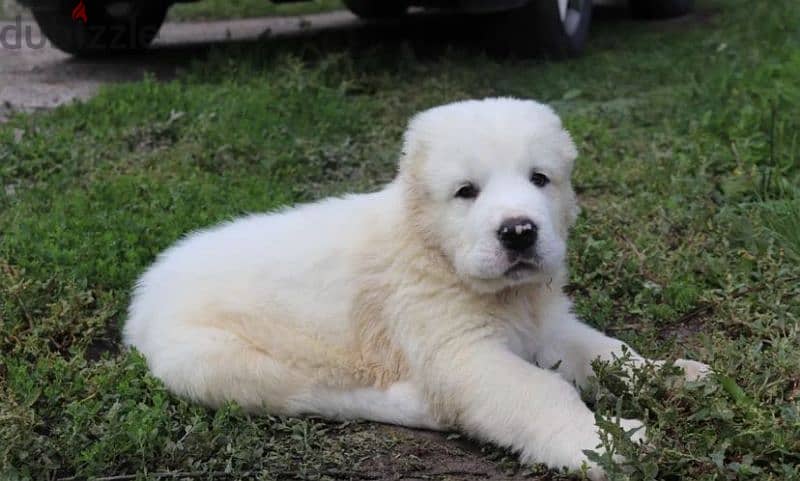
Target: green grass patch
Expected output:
[686,247]
[222,9]
[783,218]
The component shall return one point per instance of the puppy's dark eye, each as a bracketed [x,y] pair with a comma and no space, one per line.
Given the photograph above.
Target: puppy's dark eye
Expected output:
[539,180]
[467,191]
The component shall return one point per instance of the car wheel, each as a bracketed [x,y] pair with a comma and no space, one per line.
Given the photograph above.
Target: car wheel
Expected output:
[371,9]
[551,28]
[653,9]
[98,27]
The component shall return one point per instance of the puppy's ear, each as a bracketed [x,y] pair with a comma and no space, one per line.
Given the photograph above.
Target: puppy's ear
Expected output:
[414,150]
[569,153]
[568,150]
[573,208]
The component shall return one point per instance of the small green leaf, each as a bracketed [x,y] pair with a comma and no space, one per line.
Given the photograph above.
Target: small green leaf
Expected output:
[736,392]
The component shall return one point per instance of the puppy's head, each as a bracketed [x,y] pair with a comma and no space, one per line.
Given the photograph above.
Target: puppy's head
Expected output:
[488,184]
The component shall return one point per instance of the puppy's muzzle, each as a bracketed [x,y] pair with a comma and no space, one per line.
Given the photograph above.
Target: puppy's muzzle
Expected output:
[518,235]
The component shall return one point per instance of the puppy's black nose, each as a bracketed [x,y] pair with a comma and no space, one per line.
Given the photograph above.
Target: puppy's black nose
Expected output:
[517,234]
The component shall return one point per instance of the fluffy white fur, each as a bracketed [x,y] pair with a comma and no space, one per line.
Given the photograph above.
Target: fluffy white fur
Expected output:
[400,306]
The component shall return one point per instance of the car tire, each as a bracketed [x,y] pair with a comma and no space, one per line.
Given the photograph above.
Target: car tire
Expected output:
[105,28]
[655,9]
[554,29]
[375,9]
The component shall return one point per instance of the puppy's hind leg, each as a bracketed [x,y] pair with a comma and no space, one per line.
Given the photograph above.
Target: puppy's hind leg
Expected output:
[401,403]
[212,366]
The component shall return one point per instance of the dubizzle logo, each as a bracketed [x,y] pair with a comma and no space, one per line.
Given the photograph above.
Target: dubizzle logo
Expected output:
[79,12]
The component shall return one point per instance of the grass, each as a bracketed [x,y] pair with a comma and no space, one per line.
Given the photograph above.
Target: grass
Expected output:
[686,247]
[782,219]
[218,9]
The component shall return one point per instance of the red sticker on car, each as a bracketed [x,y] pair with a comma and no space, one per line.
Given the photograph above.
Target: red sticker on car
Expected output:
[79,12]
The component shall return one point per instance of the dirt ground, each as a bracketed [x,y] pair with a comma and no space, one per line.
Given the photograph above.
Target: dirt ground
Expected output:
[426,455]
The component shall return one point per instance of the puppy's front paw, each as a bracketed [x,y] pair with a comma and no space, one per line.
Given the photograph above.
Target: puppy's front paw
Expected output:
[595,472]
[693,370]
[640,436]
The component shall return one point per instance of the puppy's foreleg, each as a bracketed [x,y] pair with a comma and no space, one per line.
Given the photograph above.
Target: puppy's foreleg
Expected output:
[564,341]
[496,396]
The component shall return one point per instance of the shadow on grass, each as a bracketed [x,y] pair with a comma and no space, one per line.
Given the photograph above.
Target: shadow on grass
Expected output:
[425,36]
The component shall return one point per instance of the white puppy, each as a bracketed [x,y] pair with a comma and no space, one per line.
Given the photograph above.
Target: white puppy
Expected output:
[436,302]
